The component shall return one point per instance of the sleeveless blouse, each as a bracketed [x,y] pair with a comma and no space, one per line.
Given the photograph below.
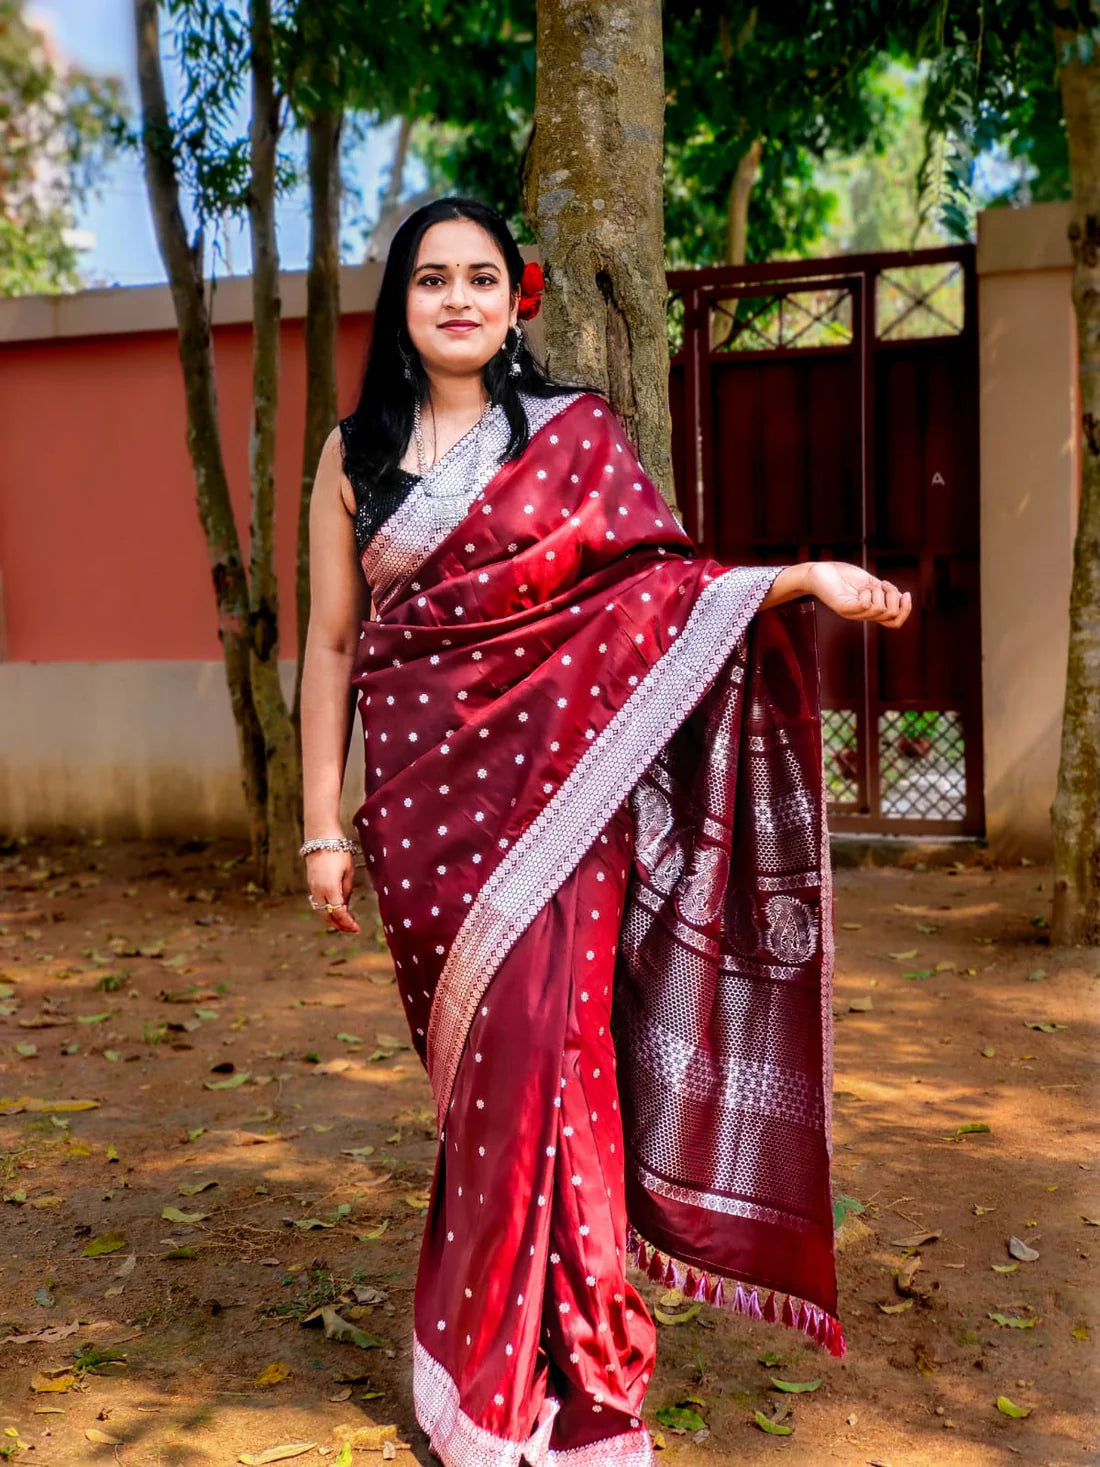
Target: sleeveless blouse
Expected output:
[374,502]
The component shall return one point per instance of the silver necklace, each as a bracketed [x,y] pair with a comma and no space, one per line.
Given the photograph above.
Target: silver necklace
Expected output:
[428,475]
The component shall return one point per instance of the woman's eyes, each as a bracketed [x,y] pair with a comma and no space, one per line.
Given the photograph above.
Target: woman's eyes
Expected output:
[478,279]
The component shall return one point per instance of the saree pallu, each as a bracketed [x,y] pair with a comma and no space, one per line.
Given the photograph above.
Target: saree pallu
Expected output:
[594,821]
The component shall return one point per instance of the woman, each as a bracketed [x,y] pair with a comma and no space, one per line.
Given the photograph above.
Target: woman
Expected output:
[593,807]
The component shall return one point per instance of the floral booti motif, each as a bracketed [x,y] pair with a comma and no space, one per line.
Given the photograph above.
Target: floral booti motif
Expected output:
[552,657]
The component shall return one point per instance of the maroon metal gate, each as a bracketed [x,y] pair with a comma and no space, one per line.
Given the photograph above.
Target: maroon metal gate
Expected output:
[827,409]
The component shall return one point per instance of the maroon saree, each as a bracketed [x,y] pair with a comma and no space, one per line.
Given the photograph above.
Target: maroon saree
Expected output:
[594,821]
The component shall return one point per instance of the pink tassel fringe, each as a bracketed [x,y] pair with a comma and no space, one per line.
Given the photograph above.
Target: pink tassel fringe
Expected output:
[741,1298]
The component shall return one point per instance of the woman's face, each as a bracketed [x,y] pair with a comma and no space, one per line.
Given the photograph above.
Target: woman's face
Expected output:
[460,304]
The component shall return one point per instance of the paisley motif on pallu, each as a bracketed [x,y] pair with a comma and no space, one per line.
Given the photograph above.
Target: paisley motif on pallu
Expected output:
[549,646]
[721,993]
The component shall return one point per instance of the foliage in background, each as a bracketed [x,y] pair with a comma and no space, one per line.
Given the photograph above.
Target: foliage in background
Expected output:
[58,126]
[991,89]
[877,205]
[793,78]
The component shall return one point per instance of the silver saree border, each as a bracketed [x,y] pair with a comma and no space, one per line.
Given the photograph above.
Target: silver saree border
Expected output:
[460,1442]
[425,517]
[552,845]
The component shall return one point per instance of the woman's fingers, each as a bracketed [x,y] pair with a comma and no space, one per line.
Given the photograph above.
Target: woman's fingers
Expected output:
[332,905]
[896,605]
[341,920]
[882,602]
[331,880]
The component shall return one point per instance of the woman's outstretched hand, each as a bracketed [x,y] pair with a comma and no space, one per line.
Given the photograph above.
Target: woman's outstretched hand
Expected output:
[856,594]
[331,877]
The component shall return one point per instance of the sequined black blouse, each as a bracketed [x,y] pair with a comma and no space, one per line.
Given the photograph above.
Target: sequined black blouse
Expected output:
[374,502]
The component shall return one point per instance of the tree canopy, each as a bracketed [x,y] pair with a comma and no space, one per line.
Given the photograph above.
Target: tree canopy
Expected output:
[59,124]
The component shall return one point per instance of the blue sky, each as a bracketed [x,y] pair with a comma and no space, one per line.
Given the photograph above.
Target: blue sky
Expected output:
[98,35]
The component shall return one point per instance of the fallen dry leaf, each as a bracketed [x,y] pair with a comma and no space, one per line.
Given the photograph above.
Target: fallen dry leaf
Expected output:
[276,1454]
[272,1374]
[9,1107]
[897,1308]
[367,1438]
[44,1336]
[1019,1249]
[53,1380]
[916,1240]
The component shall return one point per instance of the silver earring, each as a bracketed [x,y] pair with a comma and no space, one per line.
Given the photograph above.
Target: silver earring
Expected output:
[514,368]
[406,365]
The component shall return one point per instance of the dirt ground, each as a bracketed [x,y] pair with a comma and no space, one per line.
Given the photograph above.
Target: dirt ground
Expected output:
[247,1069]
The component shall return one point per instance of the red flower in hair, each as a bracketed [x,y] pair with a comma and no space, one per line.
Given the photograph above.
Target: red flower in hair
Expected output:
[531,286]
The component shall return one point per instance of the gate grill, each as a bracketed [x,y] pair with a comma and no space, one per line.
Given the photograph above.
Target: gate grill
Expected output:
[827,410]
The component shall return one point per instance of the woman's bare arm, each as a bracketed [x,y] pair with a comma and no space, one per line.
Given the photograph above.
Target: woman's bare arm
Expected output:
[339,602]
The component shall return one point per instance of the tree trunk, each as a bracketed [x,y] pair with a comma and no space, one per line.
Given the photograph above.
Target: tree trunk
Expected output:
[280,865]
[593,195]
[322,324]
[1076,810]
[392,196]
[737,222]
[183,266]
[724,313]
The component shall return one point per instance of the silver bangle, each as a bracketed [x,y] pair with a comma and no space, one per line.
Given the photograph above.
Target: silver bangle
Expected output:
[329,843]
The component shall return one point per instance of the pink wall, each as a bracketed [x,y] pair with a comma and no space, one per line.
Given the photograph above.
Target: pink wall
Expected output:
[101,552]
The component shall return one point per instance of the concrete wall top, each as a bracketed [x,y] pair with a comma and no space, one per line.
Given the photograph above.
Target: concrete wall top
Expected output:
[1013,240]
[124,309]
[119,310]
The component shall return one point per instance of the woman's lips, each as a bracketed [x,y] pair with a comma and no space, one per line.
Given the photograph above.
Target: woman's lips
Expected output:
[459,326]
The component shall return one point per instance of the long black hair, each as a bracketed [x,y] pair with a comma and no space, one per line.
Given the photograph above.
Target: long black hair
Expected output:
[377,432]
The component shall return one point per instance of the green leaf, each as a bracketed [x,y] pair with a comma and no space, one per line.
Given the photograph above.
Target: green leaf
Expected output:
[795,1386]
[920,973]
[1010,1321]
[105,1243]
[1009,1408]
[971,1128]
[173,1214]
[842,1206]
[773,1428]
[771,1358]
[93,1018]
[242,1077]
[680,1418]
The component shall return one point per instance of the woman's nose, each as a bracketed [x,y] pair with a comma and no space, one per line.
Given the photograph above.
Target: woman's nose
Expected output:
[456,293]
